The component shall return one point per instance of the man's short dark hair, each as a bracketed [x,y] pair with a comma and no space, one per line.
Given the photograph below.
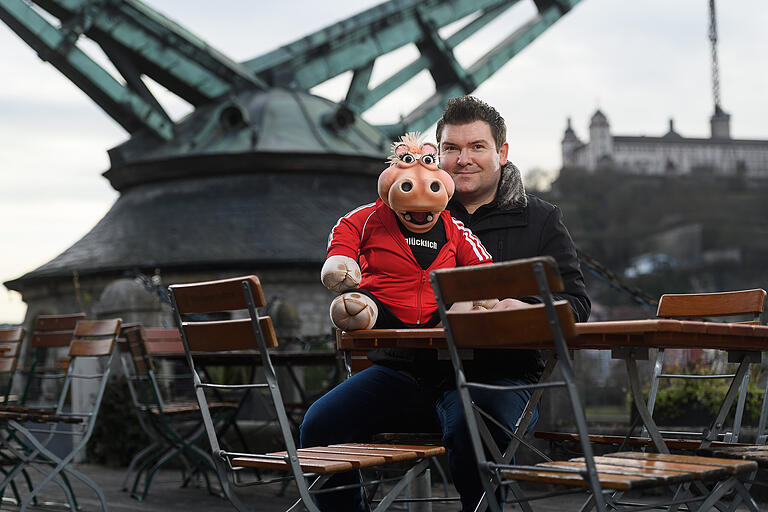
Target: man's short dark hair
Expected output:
[468,109]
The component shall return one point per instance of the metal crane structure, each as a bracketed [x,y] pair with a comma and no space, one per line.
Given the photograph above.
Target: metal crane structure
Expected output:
[254,177]
[720,120]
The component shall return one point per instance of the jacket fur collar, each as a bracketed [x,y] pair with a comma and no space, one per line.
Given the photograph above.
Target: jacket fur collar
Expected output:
[511,192]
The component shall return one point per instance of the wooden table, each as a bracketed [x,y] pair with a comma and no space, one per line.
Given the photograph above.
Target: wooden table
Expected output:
[629,340]
[654,333]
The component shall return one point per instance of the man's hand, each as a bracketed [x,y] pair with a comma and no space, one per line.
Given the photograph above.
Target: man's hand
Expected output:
[510,304]
[340,273]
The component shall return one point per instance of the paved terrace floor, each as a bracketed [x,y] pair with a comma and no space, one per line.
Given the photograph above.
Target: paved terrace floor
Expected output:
[167,495]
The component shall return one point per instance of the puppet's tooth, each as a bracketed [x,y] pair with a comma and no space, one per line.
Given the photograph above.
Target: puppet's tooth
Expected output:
[429,218]
[407,216]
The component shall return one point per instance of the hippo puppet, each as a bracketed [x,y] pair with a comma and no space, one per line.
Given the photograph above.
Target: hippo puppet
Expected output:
[380,254]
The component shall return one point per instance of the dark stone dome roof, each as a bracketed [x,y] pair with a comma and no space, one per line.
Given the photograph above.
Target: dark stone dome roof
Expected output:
[270,130]
[264,189]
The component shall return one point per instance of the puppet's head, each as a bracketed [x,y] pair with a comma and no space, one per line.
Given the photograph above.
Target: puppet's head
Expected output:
[413,185]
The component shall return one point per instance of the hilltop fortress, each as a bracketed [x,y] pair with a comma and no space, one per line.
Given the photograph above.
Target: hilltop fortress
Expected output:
[668,155]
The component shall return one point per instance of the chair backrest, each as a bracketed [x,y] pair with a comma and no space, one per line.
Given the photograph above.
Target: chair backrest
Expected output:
[54,330]
[143,344]
[10,341]
[199,335]
[696,305]
[191,302]
[48,343]
[134,366]
[502,280]
[93,340]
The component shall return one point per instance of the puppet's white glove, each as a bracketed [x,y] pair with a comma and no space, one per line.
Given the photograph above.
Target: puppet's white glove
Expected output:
[340,273]
[351,311]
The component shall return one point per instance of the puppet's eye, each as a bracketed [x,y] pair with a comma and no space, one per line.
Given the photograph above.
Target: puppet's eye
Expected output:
[428,159]
[408,158]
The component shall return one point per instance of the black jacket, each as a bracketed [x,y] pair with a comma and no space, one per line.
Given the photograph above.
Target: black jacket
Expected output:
[515,225]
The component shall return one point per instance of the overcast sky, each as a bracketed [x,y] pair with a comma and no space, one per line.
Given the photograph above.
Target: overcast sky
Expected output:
[639,62]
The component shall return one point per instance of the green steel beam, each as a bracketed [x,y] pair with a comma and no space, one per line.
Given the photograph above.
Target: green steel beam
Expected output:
[156,47]
[365,100]
[126,107]
[358,87]
[430,111]
[356,41]
[516,42]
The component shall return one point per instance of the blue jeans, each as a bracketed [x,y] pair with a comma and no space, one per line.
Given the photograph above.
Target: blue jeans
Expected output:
[380,399]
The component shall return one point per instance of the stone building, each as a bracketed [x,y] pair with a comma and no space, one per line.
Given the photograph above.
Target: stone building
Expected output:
[670,154]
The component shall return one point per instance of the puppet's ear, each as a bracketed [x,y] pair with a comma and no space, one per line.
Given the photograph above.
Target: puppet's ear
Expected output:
[428,149]
[400,150]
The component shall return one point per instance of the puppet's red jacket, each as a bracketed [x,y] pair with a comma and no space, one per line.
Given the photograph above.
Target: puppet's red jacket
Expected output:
[371,235]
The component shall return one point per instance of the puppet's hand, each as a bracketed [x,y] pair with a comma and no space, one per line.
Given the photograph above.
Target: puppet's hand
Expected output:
[340,273]
[351,311]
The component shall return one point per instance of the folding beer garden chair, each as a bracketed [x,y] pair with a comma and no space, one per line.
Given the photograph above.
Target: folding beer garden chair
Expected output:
[50,339]
[174,426]
[91,346]
[10,343]
[256,333]
[706,305]
[687,306]
[541,326]
[40,383]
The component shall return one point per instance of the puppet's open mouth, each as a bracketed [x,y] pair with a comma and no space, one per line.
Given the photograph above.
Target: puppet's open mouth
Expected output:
[419,218]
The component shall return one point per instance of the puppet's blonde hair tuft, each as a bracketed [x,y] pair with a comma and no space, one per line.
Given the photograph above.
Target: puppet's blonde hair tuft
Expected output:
[413,140]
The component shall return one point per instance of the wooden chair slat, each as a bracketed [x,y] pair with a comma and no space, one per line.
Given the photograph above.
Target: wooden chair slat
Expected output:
[51,339]
[756,453]
[607,481]
[421,451]
[357,461]
[694,470]
[16,408]
[166,347]
[109,327]
[10,349]
[388,455]
[7,364]
[495,281]
[228,335]
[307,465]
[508,327]
[91,348]
[604,465]
[160,334]
[712,304]
[213,296]
[58,322]
[733,466]
[13,334]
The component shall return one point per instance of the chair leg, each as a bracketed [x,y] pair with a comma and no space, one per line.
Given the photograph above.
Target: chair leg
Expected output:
[135,460]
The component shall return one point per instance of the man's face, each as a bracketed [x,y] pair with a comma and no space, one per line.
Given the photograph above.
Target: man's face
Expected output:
[469,154]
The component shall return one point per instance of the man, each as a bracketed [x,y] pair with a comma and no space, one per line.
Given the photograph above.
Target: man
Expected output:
[490,200]
[410,390]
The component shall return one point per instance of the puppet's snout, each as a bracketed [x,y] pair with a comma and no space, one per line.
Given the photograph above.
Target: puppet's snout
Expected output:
[424,192]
